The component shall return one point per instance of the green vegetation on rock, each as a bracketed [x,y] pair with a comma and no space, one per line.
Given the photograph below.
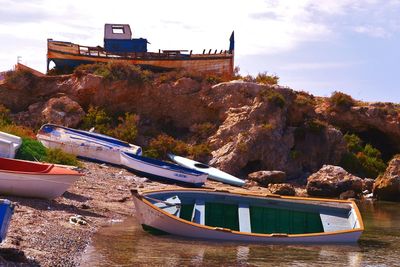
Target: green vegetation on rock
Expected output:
[339,100]
[116,71]
[362,160]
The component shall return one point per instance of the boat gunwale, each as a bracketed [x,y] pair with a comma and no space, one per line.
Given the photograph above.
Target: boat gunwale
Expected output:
[140,196]
[47,171]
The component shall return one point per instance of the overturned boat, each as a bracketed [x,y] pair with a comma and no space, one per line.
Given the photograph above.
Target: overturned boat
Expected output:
[162,170]
[222,215]
[120,47]
[34,179]
[85,144]
[9,145]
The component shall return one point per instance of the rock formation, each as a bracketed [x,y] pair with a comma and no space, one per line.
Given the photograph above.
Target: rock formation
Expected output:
[331,181]
[264,178]
[282,189]
[387,186]
[256,126]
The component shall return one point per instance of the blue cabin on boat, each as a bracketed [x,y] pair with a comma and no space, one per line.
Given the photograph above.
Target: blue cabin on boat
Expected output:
[118,39]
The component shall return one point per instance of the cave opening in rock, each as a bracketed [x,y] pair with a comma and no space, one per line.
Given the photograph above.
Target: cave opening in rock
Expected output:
[251,166]
[381,141]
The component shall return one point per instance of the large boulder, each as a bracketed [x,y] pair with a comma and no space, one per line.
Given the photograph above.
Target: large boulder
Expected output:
[63,111]
[387,186]
[264,178]
[331,181]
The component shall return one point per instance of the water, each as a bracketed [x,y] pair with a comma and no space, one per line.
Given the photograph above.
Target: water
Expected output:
[126,244]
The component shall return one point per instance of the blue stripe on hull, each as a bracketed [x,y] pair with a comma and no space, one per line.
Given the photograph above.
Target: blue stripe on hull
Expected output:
[69,63]
[162,178]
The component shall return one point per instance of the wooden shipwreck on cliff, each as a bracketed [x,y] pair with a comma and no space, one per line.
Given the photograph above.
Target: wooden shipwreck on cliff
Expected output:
[119,46]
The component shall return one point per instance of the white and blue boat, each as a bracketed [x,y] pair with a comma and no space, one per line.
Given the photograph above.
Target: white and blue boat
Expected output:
[85,144]
[162,170]
[6,211]
[213,173]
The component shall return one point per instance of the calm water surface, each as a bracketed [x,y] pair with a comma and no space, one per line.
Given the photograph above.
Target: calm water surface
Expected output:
[126,244]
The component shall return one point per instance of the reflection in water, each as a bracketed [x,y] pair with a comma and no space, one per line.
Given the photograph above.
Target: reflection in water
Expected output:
[126,244]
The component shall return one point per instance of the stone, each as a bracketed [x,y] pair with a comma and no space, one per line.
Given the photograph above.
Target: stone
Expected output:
[264,178]
[331,181]
[348,194]
[62,111]
[387,186]
[282,189]
[367,184]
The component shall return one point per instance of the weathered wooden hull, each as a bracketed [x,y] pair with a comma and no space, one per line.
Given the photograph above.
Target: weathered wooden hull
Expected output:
[152,217]
[70,55]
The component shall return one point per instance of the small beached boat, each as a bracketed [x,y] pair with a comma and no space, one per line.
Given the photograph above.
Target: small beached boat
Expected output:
[6,212]
[88,145]
[213,173]
[34,179]
[222,215]
[162,170]
[9,145]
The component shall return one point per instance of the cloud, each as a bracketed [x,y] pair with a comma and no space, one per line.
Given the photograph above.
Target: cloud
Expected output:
[261,27]
[317,65]
[372,31]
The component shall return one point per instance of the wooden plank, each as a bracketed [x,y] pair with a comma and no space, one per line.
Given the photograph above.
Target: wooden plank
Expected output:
[333,223]
[244,218]
[198,215]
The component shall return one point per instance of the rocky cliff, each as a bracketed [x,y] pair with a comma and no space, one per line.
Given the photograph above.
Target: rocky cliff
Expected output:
[255,126]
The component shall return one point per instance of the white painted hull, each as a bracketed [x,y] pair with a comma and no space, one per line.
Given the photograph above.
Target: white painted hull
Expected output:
[162,171]
[87,150]
[9,144]
[85,144]
[47,186]
[213,173]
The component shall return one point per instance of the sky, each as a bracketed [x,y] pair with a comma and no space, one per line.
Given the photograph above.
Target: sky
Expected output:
[318,46]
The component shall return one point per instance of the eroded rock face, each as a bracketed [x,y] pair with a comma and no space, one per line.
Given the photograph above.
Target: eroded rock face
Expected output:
[331,181]
[255,127]
[264,178]
[387,186]
[282,189]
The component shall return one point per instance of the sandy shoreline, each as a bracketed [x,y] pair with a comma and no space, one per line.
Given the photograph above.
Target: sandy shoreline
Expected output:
[41,234]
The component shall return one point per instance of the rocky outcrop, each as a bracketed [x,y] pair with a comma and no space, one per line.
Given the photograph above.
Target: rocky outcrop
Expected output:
[331,181]
[265,178]
[387,186]
[378,120]
[282,189]
[255,126]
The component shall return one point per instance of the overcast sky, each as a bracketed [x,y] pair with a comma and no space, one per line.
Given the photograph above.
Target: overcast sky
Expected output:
[317,46]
